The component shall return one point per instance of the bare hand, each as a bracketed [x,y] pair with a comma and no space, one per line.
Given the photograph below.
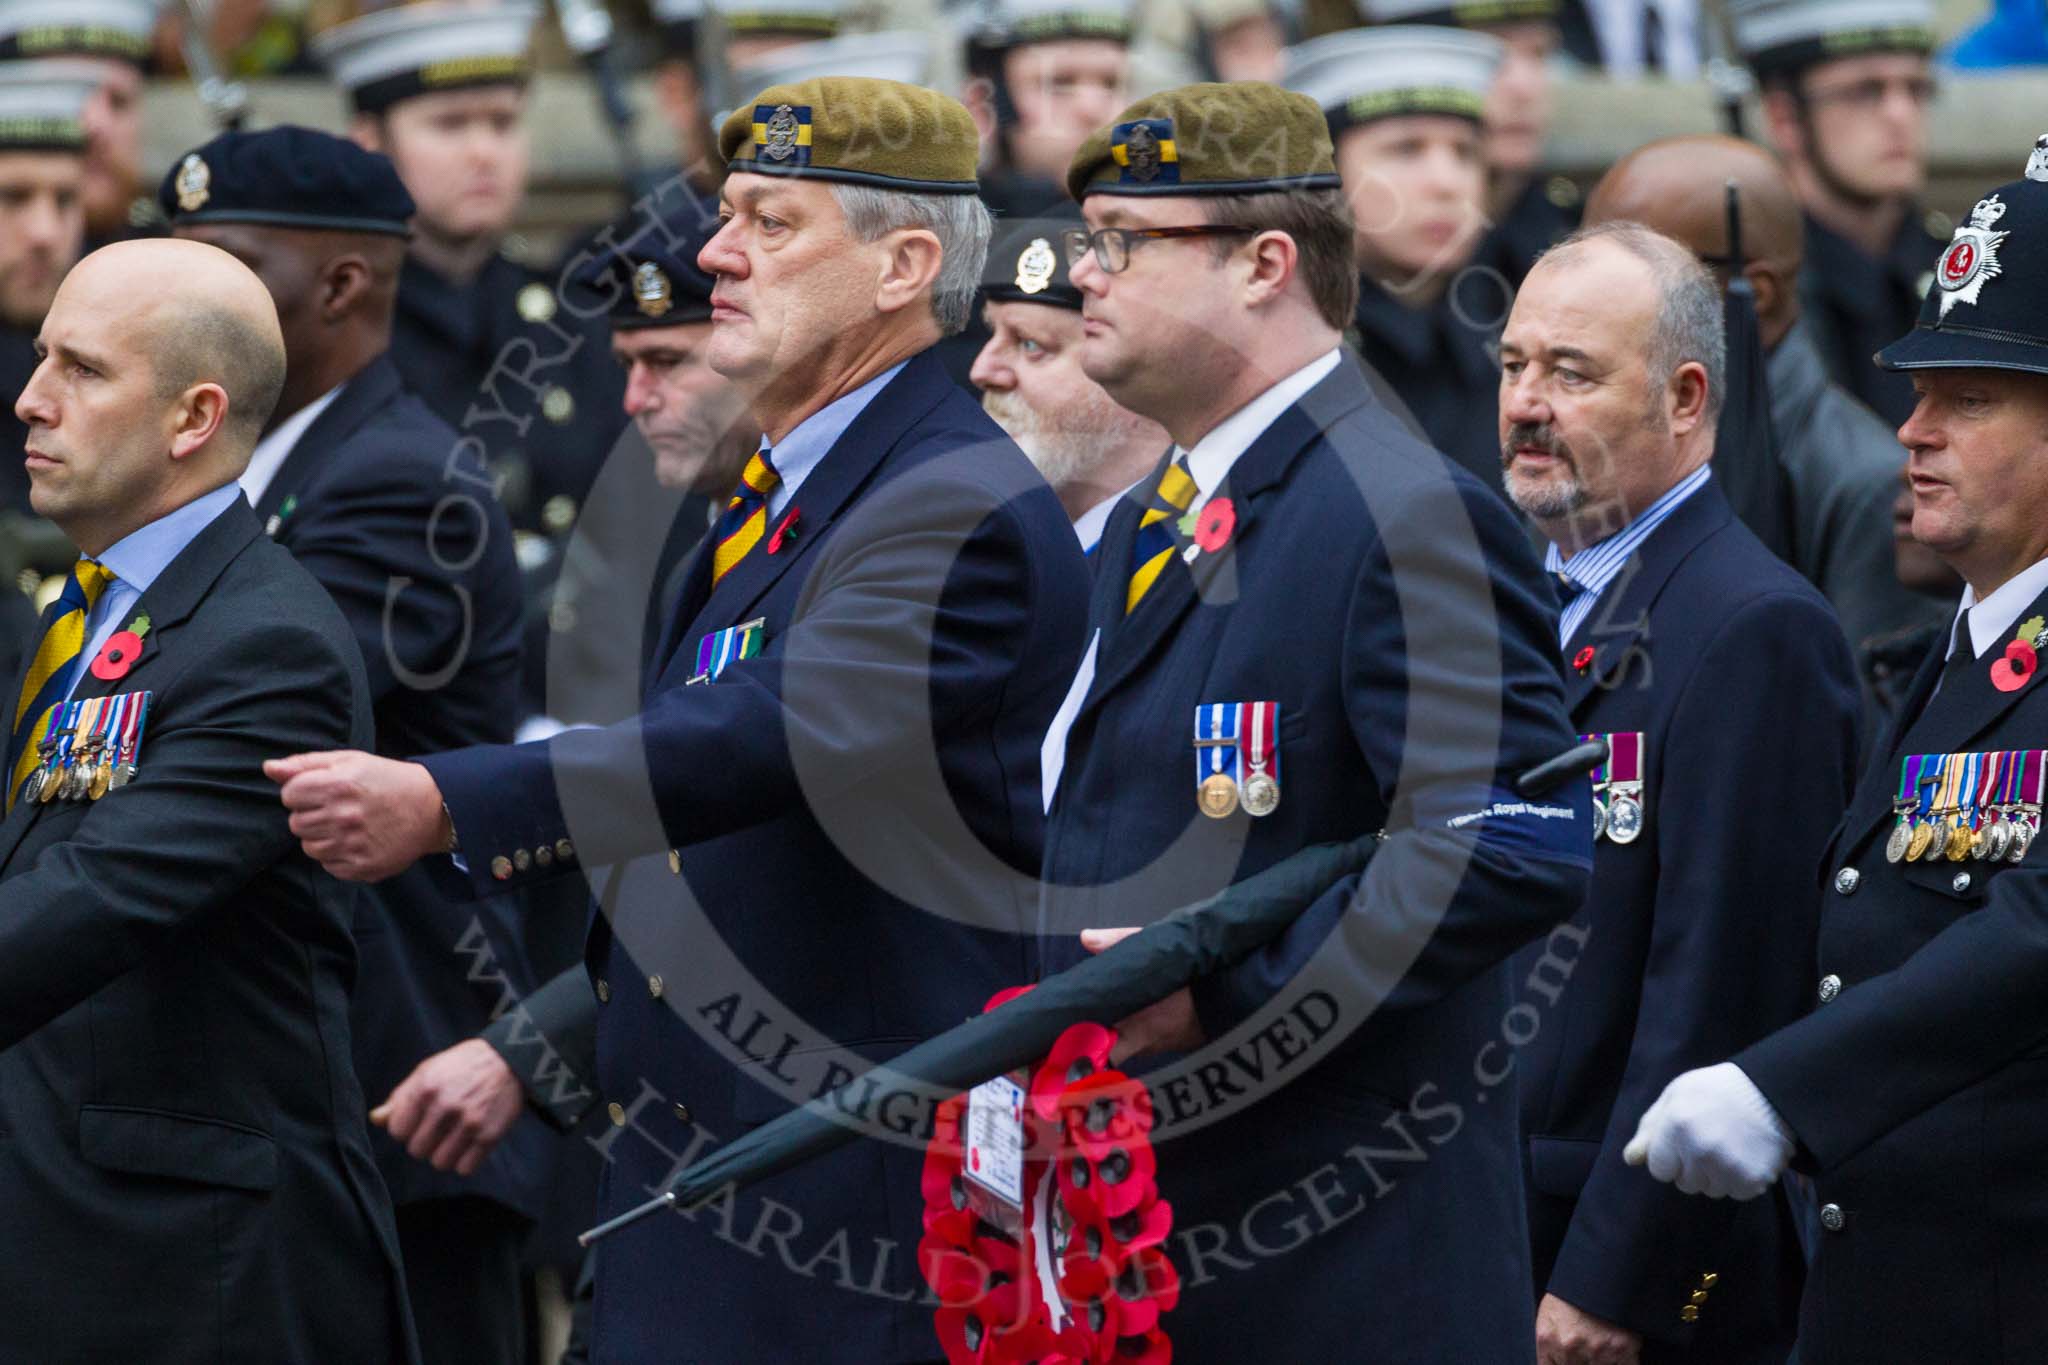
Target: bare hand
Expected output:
[1166,1025]
[1568,1336]
[454,1107]
[361,817]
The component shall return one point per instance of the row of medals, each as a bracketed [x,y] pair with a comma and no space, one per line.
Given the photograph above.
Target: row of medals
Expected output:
[1219,795]
[86,778]
[2005,836]
[1619,816]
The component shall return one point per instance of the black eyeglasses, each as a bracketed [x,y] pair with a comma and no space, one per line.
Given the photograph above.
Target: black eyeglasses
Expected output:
[1112,246]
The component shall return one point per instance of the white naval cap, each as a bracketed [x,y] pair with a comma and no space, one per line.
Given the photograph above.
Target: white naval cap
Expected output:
[1363,74]
[1012,23]
[78,28]
[754,18]
[42,105]
[393,54]
[1786,35]
[1457,13]
[904,55]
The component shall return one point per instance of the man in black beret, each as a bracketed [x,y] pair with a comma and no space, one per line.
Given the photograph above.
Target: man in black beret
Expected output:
[1029,372]
[373,494]
[1912,1093]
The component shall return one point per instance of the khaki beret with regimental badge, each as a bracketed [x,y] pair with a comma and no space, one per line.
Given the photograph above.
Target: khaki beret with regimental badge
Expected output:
[857,130]
[1244,137]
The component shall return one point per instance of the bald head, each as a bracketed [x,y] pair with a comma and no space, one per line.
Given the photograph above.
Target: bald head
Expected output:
[1678,186]
[160,362]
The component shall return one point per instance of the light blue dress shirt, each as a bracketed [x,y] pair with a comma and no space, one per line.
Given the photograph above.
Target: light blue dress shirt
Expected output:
[804,449]
[138,559]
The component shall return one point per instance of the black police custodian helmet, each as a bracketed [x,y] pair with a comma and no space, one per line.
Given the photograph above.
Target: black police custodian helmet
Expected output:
[1988,306]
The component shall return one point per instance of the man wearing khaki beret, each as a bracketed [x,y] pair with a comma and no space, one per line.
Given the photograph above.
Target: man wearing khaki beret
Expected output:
[1309,626]
[826,823]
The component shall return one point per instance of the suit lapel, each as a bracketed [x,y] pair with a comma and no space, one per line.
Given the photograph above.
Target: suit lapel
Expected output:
[828,490]
[1619,623]
[169,602]
[1129,640]
[359,398]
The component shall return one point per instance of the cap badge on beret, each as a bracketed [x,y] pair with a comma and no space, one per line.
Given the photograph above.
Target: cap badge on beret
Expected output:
[1972,256]
[1144,148]
[193,181]
[2037,160]
[783,133]
[651,290]
[1035,266]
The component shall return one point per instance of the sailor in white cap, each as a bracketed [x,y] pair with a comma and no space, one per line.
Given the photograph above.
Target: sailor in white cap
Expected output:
[440,88]
[1846,89]
[748,33]
[113,38]
[1404,105]
[1042,76]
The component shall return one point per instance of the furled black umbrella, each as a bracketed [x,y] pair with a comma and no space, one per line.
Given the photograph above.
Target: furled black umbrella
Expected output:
[1191,942]
[1746,460]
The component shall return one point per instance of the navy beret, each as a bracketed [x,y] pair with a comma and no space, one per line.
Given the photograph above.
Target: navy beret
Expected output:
[287,177]
[644,268]
[1027,262]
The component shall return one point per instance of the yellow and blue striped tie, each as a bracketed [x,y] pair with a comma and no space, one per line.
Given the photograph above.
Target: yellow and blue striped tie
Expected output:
[1155,544]
[49,674]
[745,519]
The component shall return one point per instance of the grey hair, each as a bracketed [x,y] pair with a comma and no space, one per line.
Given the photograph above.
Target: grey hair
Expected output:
[1688,324]
[961,222]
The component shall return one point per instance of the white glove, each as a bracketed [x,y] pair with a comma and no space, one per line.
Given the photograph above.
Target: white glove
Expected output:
[1713,1133]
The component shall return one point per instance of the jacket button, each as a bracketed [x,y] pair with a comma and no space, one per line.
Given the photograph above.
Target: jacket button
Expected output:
[675,861]
[544,856]
[564,850]
[521,859]
[682,1113]
[604,990]
[618,1113]
[501,868]
[1961,883]
[1830,987]
[1832,1218]
[1689,1314]
[1709,1280]
[1847,880]
[654,987]
[1699,1298]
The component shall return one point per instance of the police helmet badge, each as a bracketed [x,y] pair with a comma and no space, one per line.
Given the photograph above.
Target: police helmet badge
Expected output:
[1972,256]
[780,144]
[1035,266]
[2037,161]
[192,184]
[651,290]
[1141,150]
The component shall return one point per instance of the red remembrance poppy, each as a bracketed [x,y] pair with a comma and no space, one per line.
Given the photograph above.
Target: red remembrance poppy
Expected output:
[1213,527]
[785,530]
[1583,660]
[2009,674]
[117,657]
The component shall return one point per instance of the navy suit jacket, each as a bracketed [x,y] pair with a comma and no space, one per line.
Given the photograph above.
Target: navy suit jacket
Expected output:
[857,826]
[184,1175]
[1390,604]
[421,564]
[1919,1092]
[1733,669]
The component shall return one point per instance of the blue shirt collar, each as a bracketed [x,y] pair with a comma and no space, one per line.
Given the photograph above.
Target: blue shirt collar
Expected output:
[1594,567]
[140,557]
[805,448]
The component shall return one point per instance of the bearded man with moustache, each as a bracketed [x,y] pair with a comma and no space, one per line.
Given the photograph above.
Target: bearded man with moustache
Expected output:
[1090,449]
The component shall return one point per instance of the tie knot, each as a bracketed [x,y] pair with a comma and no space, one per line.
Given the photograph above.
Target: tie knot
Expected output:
[758,479]
[1177,488]
[89,578]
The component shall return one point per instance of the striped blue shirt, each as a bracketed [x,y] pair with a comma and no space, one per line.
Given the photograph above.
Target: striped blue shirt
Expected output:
[1594,567]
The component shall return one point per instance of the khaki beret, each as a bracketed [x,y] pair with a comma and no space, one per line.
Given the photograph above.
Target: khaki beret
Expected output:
[858,130]
[1245,137]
